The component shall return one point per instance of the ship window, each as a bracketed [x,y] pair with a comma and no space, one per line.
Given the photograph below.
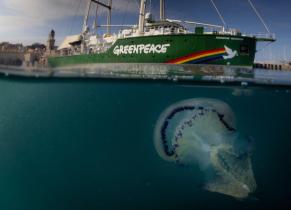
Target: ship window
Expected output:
[244,49]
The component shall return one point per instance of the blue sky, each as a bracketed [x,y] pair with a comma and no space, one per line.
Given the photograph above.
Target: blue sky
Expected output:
[28,21]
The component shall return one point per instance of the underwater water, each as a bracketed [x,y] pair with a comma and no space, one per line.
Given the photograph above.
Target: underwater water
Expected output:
[89,144]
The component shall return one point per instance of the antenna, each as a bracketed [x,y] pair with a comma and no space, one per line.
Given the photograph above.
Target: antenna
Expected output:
[285,53]
[219,14]
[162,10]
[259,16]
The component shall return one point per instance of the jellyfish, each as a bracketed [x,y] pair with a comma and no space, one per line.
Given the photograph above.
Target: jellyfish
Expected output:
[203,132]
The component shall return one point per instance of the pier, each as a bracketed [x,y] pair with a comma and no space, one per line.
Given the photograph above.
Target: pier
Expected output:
[273,66]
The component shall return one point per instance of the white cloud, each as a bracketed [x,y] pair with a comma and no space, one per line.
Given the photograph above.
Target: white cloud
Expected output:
[45,10]
[19,15]
[10,23]
[41,9]
[31,13]
[13,27]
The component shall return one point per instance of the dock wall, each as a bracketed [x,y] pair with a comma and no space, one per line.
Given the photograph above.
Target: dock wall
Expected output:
[272,66]
[11,58]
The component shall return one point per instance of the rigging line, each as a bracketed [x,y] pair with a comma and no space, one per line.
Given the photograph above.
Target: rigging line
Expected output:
[69,22]
[264,47]
[75,16]
[137,3]
[219,14]
[259,16]
[91,18]
[125,15]
[95,22]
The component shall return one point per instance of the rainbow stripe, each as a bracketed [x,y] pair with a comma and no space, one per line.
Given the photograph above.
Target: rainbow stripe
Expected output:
[200,57]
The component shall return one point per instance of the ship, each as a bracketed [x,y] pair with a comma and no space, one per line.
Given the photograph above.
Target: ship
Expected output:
[162,41]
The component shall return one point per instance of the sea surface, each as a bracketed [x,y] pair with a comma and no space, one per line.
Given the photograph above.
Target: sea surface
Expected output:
[72,144]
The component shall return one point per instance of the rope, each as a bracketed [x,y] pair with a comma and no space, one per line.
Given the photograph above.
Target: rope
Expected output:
[259,16]
[75,16]
[137,3]
[95,22]
[125,15]
[69,22]
[264,47]
[219,14]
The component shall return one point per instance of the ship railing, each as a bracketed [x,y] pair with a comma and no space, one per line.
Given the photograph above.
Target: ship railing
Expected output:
[263,36]
[227,31]
[206,25]
[196,24]
[118,26]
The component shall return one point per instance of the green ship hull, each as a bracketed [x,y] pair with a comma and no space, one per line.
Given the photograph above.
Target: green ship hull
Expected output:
[172,49]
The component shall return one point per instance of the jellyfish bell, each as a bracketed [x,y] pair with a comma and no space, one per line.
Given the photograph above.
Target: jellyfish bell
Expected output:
[203,131]
[171,120]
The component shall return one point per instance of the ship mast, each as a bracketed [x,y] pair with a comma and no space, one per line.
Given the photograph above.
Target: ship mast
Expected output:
[87,14]
[162,10]
[86,17]
[141,23]
[109,16]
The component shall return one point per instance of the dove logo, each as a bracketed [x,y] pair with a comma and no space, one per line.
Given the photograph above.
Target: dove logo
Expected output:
[212,55]
[230,53]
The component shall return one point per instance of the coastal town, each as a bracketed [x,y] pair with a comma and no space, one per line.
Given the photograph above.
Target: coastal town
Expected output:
[34,55]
